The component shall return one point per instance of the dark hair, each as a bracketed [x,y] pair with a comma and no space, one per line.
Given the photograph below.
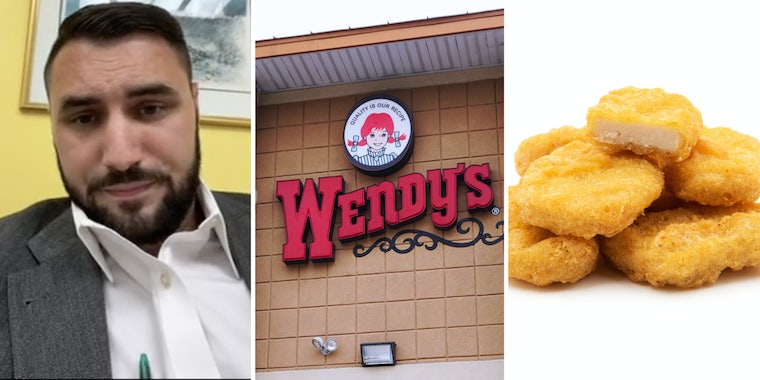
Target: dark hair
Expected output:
[111,21]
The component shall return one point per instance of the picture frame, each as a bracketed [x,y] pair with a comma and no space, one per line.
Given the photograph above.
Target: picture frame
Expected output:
[224,94]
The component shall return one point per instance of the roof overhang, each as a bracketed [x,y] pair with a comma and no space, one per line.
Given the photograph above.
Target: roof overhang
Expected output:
[394,56]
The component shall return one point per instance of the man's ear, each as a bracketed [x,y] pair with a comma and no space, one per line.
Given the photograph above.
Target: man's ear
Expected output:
[194,90]
[194,93]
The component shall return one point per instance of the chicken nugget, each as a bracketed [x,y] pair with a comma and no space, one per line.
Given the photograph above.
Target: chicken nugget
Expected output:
[541,258]
[582,191]
[666,201]
[722,170]
[651,122]
[542,144]
[687,247]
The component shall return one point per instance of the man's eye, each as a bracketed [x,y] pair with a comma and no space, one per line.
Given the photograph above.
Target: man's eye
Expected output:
[84,119]
[151,110]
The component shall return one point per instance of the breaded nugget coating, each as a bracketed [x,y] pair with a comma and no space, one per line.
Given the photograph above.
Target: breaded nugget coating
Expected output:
[666,201]
[661,125]
[582,191]
[722,170]
[687,247]
[541,258]
[542,144]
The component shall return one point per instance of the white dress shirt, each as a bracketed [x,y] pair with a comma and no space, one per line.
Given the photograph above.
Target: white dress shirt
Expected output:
[187,308]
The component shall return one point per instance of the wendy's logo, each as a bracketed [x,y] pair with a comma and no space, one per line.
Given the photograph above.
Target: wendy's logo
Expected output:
[378,135]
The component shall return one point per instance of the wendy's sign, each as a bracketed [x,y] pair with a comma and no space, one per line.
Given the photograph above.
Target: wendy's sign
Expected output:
[378,135]
[367,211]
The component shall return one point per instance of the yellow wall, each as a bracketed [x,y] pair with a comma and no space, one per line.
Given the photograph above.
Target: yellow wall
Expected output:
[28,171]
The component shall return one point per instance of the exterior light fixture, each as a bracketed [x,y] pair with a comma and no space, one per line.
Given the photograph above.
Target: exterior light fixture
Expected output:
[377,354]
[326,347]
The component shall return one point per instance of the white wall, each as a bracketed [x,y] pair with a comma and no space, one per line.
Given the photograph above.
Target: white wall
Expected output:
[480,370]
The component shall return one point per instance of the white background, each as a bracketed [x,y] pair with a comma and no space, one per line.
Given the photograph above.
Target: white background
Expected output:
[561,57]
[301,17]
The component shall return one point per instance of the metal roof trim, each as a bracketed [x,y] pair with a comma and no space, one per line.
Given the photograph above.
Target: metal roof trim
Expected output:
[372,35]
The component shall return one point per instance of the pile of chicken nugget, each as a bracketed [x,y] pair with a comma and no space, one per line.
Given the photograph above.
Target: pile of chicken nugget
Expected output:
[645,187]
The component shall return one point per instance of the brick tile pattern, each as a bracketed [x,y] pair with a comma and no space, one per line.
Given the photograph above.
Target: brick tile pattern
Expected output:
[441,305]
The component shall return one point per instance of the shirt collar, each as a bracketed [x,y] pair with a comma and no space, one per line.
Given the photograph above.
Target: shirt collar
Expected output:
[214,219]
[376,153]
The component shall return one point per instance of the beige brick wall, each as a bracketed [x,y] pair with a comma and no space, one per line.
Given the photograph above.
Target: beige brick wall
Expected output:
[437,305]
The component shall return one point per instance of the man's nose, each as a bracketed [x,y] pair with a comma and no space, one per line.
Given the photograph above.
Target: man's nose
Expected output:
[122,146]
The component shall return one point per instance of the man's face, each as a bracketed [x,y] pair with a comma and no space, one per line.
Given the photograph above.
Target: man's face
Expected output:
[377,139]
[124,122]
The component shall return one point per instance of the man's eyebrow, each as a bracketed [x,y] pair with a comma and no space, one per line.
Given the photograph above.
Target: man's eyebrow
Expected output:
[69,102]
[73,101]
[151,89]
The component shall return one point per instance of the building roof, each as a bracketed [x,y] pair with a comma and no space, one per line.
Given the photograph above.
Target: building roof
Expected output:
[437,50]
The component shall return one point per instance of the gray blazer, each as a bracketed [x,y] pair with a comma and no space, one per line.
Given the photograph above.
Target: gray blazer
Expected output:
[52,309]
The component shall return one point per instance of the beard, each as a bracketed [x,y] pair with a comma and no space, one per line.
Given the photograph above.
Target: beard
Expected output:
[128,220]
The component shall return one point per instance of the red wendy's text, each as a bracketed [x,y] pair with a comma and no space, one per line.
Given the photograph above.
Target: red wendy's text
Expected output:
[370,210]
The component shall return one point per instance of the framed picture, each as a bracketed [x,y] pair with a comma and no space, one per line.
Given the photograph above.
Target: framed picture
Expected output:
[218,37]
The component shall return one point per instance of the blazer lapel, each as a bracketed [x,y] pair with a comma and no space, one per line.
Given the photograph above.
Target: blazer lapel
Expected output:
[238,224]
[57,311]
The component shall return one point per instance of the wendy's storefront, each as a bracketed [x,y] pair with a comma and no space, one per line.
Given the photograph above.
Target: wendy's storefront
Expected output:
[379,195]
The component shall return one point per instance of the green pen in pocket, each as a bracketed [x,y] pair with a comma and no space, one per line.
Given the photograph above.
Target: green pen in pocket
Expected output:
[144,367]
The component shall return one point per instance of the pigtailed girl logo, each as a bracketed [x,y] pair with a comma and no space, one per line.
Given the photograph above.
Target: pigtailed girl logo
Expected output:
[378,135]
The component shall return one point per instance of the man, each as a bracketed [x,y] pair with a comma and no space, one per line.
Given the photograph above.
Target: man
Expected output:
[141,258]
